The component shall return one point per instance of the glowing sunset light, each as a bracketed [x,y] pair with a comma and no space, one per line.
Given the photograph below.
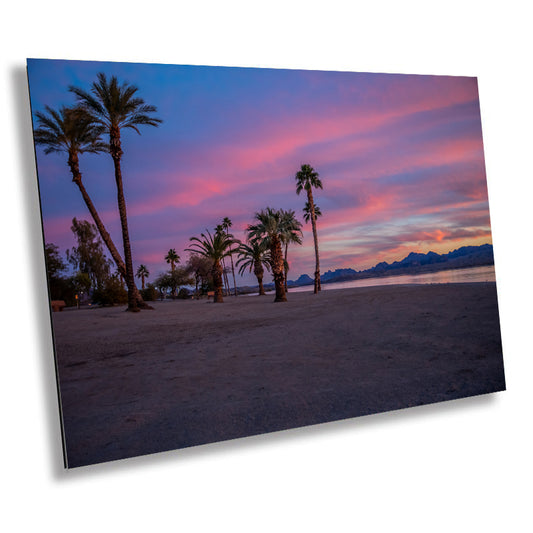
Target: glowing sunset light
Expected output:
[400,157]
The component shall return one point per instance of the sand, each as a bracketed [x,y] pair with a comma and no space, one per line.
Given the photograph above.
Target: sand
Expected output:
[193,372]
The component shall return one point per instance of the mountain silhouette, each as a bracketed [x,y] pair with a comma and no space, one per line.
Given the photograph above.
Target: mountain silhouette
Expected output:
[414,263]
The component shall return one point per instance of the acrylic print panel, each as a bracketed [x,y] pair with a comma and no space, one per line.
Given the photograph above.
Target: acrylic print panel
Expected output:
[173,197]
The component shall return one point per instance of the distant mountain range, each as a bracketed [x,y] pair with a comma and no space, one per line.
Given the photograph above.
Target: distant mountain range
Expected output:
[414,263]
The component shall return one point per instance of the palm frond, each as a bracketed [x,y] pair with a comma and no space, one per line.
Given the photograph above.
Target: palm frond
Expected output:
[307,211]
[307,178]
[252,254]
[115,105]
[69,129]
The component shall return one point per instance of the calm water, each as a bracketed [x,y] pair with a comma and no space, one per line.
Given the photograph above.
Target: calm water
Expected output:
[463,275]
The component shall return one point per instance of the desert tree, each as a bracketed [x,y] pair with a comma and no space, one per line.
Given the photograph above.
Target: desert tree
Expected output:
[142,273]
[88,257]
[71,130]
[269,229]
[173,280]
[200,268]
[308,179]
[225,280]
[292,234]
[216,247]
[254,257]
[226,225]
[114,106]
[58,283]
[172,258]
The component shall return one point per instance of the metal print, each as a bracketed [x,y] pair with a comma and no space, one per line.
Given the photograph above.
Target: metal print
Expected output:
[235,251]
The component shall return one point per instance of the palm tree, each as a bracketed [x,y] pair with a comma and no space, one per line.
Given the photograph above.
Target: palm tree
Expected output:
[254,256]
[220,229]
[200,267]
[215,247]
[269,229]
[142,272]
[72,130]
[113,107]
[307,178]
[172,258]
[292,233]
[226,224]
[307,212]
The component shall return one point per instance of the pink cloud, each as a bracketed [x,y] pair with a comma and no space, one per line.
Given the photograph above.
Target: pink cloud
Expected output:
[225,168]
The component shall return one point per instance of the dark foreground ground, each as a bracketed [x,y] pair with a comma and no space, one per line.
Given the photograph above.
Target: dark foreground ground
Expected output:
[193,372]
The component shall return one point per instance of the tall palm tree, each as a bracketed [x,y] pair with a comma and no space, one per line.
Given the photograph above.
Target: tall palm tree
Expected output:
[215,247]
[114,106]
[254,256]
[269,230]
[292,233]
[307,178]
[220,229]
[72,131]
[172,258]
[307,212]
[226,224]
[142,272]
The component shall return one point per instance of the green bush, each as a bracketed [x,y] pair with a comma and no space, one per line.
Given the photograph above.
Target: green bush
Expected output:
[150,294]
[111,292]
[183,294]
[63,289]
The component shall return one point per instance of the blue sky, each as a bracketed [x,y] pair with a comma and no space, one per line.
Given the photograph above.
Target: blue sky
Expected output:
[400,157]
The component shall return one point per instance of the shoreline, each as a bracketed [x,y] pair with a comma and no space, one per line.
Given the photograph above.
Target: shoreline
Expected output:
[387,276]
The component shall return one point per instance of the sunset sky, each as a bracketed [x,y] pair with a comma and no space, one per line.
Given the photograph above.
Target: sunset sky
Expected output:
[400,158]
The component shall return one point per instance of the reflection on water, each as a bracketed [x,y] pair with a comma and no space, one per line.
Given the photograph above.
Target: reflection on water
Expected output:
[462,275]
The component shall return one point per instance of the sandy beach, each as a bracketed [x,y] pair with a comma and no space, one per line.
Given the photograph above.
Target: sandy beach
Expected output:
[194,372]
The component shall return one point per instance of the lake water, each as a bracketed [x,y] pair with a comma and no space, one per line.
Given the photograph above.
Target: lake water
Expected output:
[461,275]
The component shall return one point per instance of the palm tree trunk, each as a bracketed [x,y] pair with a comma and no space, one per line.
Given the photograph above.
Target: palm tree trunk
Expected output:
[116,153]
[259,271]
[277,269]
[233,272]
[285,265]
[225,278]
[173,288]
[315,237]
[142,281]
[261,288]
[76,178]
[217,282]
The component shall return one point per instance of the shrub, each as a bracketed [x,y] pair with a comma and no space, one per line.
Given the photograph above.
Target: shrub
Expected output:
[150,294]
[111,292]
[183,294]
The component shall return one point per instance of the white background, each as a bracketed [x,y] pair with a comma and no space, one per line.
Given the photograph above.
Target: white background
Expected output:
[461,466]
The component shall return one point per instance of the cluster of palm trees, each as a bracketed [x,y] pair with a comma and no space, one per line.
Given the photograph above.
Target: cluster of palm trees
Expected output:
[106,109]
[215,246]
[267,242]
[266,247]
[224,228]
[172,258]
[274,229]
[172,279]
